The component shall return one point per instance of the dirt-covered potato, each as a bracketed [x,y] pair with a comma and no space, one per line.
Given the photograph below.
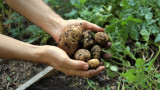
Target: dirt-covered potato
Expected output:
[87,39]
[101,38]
[82,54]
[96,52]
[93,63]
[69,39]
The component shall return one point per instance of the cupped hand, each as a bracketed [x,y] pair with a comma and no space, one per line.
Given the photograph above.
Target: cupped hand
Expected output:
[58,59]
[61,61]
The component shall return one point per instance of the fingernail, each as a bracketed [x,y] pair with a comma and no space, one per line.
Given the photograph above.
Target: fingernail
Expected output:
[85,67]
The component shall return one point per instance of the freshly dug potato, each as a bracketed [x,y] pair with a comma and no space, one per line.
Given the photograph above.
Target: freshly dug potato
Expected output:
[93,63]
[96,52]
[87,39]
[82,54]
[101,38]
[69,39]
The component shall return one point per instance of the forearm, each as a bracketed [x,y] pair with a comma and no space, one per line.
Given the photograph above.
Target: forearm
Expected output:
[14,49]
[38,13]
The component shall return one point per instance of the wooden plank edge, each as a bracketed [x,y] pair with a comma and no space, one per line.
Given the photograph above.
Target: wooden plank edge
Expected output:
[47,71]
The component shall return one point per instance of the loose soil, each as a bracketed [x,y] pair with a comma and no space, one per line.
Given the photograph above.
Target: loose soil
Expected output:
[59,81]
[15,73]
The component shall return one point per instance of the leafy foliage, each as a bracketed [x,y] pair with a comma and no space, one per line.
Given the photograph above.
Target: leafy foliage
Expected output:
[132,25]
[18,27]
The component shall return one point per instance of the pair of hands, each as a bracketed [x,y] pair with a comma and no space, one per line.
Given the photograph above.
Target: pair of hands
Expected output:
[58,58]
[43,16]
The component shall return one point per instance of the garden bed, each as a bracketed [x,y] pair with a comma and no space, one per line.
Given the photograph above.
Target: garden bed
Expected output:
[15,73]
[59,81]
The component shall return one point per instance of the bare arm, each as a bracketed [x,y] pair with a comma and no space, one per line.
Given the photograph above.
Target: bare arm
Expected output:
[14,49]
[38,13]
[51,55]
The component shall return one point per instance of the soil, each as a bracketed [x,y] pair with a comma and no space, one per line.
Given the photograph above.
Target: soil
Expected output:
[15,73]
[59,81]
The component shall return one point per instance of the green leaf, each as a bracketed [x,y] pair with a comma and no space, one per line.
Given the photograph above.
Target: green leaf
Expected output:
[138,44]
[114,68]
[127,51]
[134,34]
[75,3]
[129,75]
[72,13]
[154,28]
[107,65]
[139,62]
[8,79]
[110,73]
[157,76]
[148,16]
[8,21]
[145,34]
[109,8]
[157,38]
[82,1]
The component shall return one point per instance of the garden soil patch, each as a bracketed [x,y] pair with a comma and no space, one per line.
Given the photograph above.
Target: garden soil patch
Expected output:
[15,73]
[60,81]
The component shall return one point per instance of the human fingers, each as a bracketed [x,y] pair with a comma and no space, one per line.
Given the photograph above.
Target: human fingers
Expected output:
[75,64]
[86,25]
[85,73]
[91,26]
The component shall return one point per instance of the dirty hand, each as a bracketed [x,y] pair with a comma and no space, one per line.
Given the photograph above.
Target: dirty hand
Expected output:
[58,58]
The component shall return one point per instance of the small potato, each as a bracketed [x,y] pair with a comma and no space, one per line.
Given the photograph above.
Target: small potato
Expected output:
[87,39]
[96,52]
[93,63]
[101,38]
[82,54]
[70,38]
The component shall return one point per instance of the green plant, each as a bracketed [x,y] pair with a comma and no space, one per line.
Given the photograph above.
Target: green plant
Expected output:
[133,27]
[18,27]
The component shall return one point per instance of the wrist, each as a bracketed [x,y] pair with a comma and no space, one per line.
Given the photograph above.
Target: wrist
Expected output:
[36,54]
[40,54]
[54,27]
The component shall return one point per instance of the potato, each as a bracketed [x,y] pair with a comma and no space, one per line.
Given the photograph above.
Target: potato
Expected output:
[93,63]
[101,38]
[87,39]
[96,52]
[70,38]
[82,54]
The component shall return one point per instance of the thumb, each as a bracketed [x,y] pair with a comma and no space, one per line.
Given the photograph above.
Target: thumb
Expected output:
[78,65]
